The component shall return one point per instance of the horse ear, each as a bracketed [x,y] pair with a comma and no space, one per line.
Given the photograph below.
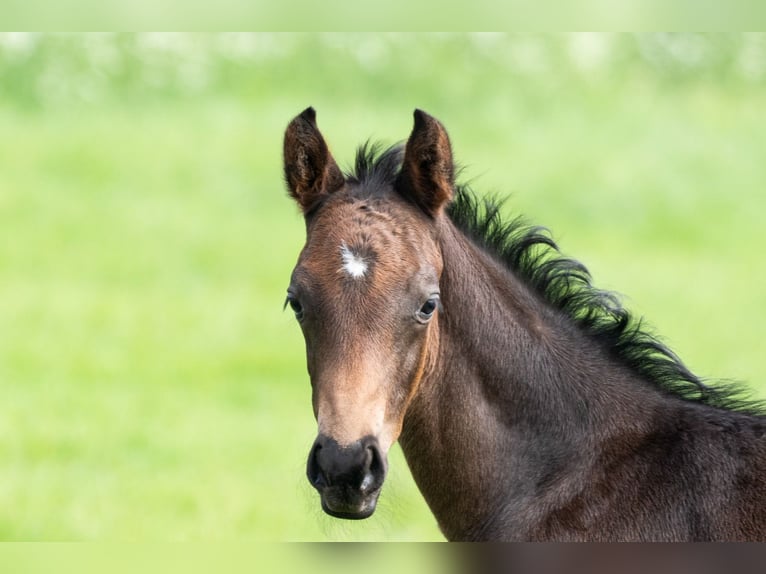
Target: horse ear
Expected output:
[310,170]
[428,173]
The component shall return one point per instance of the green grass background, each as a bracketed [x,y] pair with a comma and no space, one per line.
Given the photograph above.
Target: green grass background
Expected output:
[152,387]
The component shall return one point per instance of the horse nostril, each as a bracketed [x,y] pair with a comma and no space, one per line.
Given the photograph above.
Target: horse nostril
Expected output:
[360,466]
[367,482]
[375,469]
[313,470]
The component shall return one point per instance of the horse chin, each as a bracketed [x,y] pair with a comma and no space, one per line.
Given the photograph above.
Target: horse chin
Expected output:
[358,508]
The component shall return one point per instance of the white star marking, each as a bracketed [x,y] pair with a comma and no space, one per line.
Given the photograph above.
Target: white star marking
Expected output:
[354,265]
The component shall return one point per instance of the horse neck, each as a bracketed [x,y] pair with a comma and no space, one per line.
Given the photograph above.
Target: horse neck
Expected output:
[517,399]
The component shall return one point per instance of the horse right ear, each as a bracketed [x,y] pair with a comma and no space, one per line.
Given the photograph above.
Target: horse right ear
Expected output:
[310,170]
[428,173]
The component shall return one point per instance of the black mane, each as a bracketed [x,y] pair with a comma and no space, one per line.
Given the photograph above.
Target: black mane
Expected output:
[375,165]
[533,256]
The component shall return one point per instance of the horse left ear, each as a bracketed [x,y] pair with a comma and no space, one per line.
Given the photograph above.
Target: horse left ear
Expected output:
[310,170]
[428,174]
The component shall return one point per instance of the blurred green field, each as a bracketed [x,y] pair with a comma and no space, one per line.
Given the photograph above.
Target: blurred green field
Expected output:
[153,388]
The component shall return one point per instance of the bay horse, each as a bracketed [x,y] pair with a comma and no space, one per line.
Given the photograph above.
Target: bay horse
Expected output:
[529,404]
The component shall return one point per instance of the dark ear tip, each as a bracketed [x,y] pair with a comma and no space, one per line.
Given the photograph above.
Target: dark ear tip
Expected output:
[420,117]
[423,119]
[309,114]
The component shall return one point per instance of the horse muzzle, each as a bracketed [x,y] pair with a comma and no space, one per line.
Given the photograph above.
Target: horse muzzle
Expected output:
[349,477]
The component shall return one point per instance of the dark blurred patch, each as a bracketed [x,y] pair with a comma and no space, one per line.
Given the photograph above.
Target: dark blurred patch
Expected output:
[611,558]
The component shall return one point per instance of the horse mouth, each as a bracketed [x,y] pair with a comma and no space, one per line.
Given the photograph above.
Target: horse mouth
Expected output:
[349,507]
[348,478]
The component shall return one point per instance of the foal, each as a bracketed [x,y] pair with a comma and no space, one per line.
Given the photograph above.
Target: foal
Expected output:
[529,405]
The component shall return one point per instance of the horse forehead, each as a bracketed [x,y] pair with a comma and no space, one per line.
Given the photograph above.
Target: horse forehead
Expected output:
[363,231]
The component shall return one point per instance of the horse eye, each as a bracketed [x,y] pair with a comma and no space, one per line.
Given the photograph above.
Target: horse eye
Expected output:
[427,310]
[295,305]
